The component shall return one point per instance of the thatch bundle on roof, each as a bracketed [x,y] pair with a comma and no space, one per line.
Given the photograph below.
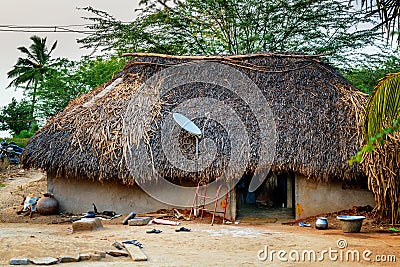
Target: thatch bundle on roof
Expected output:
[315,112]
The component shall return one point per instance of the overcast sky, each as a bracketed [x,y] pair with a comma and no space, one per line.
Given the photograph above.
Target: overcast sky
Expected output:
[48,13]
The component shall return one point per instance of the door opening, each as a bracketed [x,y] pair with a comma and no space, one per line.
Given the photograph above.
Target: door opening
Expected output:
[272,199]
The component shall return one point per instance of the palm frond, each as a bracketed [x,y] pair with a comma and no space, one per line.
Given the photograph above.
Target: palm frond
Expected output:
[383,106]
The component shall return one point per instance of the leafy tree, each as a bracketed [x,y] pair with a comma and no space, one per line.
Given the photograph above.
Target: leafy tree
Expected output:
[16,116]
[69,79]
[372,70]
[94,72]
[32,68]
[233,27]
[57,89]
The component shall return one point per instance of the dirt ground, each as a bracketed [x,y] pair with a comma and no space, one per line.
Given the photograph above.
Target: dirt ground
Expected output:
[243,244]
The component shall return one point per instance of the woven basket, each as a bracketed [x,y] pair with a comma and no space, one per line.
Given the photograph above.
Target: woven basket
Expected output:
[351,226]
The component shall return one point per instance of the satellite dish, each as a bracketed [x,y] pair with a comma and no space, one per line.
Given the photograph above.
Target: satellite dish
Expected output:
[186,124]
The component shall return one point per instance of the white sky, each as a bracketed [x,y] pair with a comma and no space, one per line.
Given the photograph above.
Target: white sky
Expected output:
[48,13]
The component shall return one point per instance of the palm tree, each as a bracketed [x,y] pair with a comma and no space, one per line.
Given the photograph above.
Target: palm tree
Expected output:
[382,165]
[32,68]
[388,12]
[383,106]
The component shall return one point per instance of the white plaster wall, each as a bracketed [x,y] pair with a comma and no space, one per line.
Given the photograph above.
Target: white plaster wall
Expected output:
[77,196]
[314,198]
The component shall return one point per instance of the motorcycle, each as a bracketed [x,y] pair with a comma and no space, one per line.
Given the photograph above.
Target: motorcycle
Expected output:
[10,151]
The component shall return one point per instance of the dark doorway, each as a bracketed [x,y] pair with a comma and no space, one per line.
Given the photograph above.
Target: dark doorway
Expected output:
[273,199]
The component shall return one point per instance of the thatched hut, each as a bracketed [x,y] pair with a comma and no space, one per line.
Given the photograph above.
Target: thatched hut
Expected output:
[107,141]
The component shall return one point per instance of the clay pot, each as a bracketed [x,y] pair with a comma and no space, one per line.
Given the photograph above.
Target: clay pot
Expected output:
[47,206]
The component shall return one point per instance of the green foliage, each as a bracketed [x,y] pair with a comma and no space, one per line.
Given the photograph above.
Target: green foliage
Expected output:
[57,89]
[367,76]
[112,35]
[382,114]
[94,72]
[69,79]
[56,84]
[16,116]
[26,134]
[383,107]
[32,68]
[232,27]
[379,138]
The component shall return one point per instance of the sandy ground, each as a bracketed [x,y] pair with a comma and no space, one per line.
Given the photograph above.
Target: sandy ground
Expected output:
[243,244]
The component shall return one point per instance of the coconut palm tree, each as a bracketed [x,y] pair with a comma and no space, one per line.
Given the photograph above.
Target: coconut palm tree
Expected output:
[32,68]
[380,128]
[383,106]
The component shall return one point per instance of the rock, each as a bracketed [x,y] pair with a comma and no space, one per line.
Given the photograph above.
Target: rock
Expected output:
[24,261]
[117,253]
[87,224]
[139,221]
[44,261]
[84,257]
[135,252]
[95,257]
[101,253]
[118,245]
[68,258]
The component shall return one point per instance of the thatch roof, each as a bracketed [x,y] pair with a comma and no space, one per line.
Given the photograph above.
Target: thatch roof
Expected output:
[315,111]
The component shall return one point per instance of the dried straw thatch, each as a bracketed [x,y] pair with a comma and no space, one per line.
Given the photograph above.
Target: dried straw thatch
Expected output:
[314,108]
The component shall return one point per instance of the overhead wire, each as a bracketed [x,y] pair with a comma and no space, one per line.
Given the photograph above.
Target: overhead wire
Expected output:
[47,29]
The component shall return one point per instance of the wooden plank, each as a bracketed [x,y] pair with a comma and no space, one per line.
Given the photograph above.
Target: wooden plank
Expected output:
[135,252]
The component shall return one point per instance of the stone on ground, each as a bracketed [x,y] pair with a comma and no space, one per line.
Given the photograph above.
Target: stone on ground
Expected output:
[95,257]
[138,221]
[69,258]
[101,253]
[24,261]
[87,224]
[117,253]
[84,257]
[44,261]
[135,252]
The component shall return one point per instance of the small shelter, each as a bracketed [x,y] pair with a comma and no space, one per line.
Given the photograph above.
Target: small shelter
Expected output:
[106,142]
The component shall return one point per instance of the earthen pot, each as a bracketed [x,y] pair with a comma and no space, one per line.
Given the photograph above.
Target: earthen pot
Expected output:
[47,205]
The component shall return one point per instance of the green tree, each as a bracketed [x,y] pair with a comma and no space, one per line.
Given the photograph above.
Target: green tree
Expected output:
[16,116]
[32,68]
[57,89]
[69,79]
[94,72]
[374,68]
[233,27]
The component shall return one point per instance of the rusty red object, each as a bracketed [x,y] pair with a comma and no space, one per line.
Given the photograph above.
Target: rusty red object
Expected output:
[47,206]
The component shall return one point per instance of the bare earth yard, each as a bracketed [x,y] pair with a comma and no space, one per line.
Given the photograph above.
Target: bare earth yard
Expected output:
[243,244]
